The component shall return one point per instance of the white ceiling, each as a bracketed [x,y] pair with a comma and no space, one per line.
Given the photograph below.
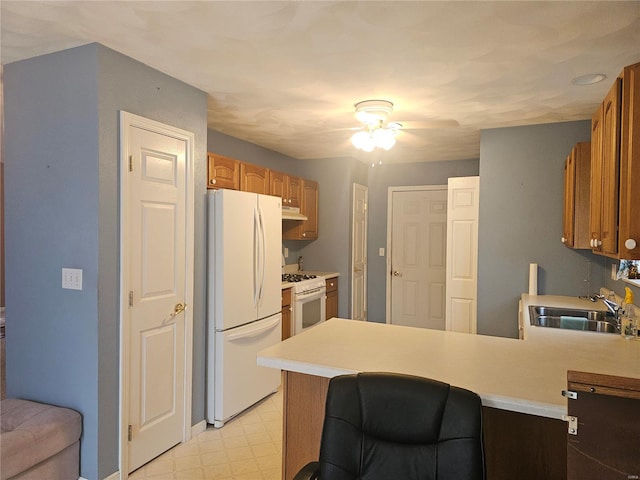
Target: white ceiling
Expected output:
[285,75]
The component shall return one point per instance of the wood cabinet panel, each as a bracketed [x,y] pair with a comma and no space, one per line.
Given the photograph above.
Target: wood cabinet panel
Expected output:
[286,313]
[285,186]
[606,443]
[576,197]
[595,209]
[294,189]
[629,228]
[222,172]
[305,229]
[303,416]
[610,170]
[254,178]
[332,297]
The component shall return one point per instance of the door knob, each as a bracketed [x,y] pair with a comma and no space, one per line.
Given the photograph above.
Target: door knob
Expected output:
[178,309]
[396,273]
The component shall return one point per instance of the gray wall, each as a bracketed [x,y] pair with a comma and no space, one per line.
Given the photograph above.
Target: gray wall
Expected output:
[61,154]
[380,178]
[521,202]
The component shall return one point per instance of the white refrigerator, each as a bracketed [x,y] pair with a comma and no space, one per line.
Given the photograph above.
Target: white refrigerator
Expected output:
[243,299]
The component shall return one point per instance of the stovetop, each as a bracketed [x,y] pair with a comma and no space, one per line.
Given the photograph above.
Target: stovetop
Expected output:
[296,277]
[303,283]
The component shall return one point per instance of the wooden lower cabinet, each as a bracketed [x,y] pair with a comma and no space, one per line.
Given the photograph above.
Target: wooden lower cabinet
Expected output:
[605,444]
[332,298]
[517,446]
[286,313]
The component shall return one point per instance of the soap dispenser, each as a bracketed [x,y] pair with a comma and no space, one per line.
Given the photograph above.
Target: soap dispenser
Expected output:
[628,322]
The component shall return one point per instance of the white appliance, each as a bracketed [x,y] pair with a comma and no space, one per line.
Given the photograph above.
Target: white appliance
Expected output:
[309,300]
[244,299]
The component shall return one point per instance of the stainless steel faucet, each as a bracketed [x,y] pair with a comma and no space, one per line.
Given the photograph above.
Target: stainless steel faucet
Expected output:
[612,306]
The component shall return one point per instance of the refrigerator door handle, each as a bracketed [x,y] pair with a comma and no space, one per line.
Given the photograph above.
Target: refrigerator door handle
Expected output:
[256,247]
[262,254]
[254,333]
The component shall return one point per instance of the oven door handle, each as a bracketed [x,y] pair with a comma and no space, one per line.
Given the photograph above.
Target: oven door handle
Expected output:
[310,293]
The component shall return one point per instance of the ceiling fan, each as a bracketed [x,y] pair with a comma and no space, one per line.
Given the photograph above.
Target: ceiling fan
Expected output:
[377,132]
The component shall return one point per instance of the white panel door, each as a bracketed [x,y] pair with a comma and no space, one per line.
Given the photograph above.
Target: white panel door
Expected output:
[155,274]
[418,258]
[462,254]
[359,253]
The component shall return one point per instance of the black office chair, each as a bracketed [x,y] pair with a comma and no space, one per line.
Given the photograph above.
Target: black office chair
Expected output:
[382,426]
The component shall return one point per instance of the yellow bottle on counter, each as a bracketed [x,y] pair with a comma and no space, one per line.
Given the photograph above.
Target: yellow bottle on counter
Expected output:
[628,322]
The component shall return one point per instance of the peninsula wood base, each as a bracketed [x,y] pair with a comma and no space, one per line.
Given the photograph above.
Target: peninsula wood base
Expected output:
[526,447]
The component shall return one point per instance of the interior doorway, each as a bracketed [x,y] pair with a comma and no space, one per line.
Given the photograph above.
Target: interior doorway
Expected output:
[359,252]
[416,260]
[156,288]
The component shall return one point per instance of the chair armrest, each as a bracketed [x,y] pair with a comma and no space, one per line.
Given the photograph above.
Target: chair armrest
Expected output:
[309,472]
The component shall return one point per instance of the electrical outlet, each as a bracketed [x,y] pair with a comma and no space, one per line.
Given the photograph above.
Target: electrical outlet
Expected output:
[614,271]
[72,278]
[286,252]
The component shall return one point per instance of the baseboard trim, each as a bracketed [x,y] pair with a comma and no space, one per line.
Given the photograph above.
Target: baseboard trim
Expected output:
[198,428]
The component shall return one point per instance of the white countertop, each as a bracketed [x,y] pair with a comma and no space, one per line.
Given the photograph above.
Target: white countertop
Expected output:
[524,376]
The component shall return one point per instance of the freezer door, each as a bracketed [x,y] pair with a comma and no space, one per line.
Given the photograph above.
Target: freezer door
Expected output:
[238,380]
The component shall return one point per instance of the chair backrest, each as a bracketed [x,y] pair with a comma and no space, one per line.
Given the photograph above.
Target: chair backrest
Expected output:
[382,426]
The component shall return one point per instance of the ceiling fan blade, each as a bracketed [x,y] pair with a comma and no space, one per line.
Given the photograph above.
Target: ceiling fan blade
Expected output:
[425,124]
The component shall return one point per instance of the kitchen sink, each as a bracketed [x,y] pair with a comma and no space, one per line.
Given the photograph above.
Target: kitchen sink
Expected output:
[572,319]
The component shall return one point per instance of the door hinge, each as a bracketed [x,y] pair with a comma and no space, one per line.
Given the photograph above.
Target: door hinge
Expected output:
[131,163]
[570,394]
[573,424]
[131,298]
[130,433]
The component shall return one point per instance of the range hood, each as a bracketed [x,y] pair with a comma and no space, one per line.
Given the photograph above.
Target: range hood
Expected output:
[292,213]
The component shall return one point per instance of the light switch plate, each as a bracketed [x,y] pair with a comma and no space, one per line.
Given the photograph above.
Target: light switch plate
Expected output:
[381,252]
[72,278]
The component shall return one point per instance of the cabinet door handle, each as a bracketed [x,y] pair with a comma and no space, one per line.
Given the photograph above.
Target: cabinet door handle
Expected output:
[630,243]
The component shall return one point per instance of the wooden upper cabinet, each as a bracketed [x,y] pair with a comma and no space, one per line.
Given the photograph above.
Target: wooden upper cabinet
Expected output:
[575,232]
[595,210]
[615,170]
[277,185]
[629,227]
[287,187]
[222,172]
[294,191]
[610,169]
[305,229]
[254,178]
[605,163]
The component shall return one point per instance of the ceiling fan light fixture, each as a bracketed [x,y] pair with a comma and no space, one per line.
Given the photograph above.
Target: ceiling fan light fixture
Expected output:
[384,138]
[373,112]
[363,141]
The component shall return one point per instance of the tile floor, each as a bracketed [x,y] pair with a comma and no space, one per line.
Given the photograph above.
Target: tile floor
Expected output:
[248,447]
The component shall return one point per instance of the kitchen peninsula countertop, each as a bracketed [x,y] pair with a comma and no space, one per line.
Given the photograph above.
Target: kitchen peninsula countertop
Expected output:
[525,376]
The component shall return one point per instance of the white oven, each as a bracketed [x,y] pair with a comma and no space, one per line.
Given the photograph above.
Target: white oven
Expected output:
[309,300]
